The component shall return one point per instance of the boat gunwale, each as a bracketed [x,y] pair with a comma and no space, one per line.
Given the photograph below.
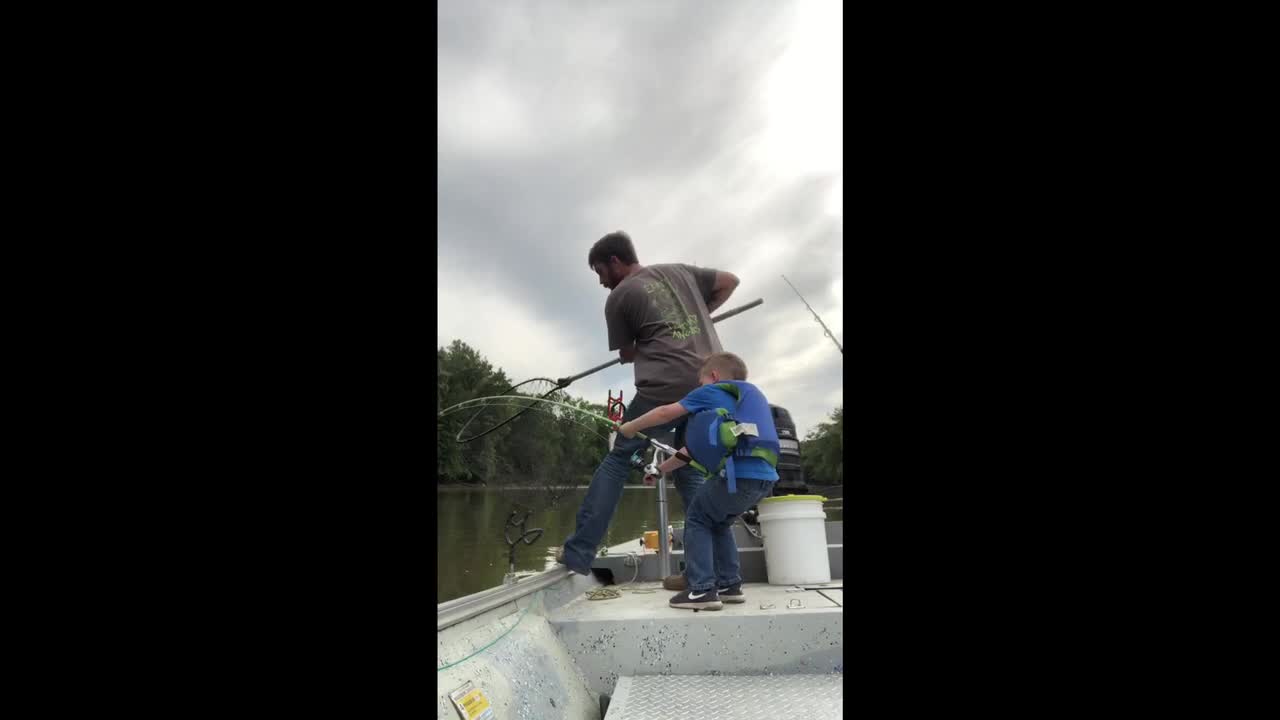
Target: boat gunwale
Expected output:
[454,611]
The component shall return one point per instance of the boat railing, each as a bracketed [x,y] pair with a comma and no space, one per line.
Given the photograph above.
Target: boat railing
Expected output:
[455,611]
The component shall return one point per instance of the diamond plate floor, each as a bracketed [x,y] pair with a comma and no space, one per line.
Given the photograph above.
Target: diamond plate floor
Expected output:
[740,697]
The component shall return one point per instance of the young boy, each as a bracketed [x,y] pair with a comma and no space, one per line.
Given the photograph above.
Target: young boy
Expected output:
[738,479]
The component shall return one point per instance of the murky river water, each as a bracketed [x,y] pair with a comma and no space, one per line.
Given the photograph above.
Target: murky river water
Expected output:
[472,553]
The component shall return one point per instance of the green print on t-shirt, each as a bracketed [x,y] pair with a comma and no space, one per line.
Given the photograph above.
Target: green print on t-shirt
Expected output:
[680,321]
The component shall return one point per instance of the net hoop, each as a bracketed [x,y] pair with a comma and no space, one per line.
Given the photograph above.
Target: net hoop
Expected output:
[468,433]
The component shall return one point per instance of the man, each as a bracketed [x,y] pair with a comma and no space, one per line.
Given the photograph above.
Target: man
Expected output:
[659,317]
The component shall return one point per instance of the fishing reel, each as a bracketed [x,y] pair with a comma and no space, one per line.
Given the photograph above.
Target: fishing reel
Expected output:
[638,462]
[651,475]
[649,468]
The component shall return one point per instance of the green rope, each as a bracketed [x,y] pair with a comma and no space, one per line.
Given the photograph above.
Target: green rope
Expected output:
[504,634]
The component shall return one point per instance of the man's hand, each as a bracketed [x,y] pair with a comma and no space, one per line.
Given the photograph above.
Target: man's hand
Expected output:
[627,354]
[626,430]
[724,287]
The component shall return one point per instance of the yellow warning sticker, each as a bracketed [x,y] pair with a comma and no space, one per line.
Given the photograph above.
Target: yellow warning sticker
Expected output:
[471,703]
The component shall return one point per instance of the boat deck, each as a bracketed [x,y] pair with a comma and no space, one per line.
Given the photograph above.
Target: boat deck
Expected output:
[648,601]
[778,630]
[743,698]
[539,648]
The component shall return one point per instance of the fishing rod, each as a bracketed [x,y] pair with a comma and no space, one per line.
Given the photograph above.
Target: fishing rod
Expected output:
[826,330]
[521,400]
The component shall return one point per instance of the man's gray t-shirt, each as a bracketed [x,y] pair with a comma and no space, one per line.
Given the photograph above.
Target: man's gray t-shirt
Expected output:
[663,309]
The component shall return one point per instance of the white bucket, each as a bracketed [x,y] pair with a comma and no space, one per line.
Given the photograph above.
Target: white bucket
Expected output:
[795,539]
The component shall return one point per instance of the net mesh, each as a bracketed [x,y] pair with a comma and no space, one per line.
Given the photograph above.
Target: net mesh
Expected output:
[489,414]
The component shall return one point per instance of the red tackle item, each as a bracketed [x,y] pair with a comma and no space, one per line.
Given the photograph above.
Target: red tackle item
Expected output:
[615,409]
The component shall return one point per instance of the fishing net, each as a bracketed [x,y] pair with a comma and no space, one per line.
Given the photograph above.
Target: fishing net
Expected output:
[489,414]
[542,438]
[523,410]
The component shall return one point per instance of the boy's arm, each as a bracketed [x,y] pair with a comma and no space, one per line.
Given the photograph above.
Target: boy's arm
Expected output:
[658,416]
[673,463]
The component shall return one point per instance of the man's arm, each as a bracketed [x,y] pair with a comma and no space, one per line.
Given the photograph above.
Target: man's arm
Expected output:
[621,337]
[658,416]
[724,287]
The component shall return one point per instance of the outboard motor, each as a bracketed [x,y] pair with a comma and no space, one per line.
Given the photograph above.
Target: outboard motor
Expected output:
[790,473]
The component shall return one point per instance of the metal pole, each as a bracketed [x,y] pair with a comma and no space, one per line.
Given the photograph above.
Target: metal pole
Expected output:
[565,381]
[664,546]
[742,308]
[661,451]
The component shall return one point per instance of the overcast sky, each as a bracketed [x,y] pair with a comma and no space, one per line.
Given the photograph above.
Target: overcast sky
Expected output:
[708,131]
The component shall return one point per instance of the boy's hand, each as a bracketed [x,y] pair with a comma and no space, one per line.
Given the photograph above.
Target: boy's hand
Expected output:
[626,430]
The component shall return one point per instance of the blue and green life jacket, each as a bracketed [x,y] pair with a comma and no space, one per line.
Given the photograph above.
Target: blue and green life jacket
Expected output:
[715,437]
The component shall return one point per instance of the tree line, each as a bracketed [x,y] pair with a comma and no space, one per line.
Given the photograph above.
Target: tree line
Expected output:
[555,450]
[822,451]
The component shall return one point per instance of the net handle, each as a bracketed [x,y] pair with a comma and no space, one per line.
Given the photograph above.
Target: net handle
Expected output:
[565,381]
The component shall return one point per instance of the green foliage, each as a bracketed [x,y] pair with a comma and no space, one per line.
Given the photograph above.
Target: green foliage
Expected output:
[822,451]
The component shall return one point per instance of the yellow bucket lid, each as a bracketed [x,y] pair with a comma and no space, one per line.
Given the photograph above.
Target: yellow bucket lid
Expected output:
[785,498]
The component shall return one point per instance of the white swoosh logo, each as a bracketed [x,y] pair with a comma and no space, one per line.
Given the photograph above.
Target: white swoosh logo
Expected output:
[699,596]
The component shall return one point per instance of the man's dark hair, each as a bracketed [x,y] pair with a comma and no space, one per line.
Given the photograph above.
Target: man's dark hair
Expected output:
[615,243]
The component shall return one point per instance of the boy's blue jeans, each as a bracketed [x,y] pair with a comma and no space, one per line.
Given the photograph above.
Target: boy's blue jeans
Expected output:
[710,553]
[606,489]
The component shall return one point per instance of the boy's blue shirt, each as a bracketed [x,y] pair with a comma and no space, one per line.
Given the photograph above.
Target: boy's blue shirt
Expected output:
[710,397]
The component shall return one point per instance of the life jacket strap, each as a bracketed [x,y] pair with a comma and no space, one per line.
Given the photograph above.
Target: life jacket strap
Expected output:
[768,456]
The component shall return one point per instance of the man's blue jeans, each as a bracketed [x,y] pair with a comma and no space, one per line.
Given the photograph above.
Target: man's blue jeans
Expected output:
[710,553]
[606,489]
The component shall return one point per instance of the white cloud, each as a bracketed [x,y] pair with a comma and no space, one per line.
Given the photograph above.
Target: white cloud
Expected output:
[804,96]
[484,113]
[500,327]
[720,147]
[835,198]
